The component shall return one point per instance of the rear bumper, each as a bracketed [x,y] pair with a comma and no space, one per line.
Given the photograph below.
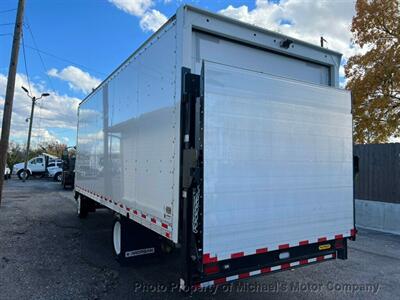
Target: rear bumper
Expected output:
[265,270]
[228,270]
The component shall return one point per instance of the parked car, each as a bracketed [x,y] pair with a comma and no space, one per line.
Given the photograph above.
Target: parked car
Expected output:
[54,170]
[7,173]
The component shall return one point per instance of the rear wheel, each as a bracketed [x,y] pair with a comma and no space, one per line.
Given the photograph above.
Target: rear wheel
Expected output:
[117,237]
[82,207]
[22,174]
[58,177]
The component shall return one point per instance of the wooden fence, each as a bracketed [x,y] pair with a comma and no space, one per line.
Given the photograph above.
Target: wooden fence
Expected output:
[378,176]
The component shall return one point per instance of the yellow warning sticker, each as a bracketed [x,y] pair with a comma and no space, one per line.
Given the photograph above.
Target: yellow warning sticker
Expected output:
[324,247]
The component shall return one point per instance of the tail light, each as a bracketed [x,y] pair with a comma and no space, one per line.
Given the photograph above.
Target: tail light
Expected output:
[211,269]
[339,244]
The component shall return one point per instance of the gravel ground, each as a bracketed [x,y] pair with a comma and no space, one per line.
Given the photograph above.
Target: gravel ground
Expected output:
[46,252]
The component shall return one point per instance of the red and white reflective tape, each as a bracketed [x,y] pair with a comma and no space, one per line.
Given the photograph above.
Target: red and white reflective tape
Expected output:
[210,258]
[264,270]
[134,214]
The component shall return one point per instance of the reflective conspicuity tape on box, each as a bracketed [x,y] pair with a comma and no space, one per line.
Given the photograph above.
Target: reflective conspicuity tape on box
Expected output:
[139,216]
[263,271]
[210,258]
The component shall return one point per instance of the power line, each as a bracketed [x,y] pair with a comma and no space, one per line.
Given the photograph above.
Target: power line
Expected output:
[60,115]
[27,77]
[26,68]
[66,60]
[36,48]
[63,130]
[45,72]
[7,10]
[40,56]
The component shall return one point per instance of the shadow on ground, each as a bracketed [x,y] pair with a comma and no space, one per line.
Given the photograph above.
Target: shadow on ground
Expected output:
[46,252]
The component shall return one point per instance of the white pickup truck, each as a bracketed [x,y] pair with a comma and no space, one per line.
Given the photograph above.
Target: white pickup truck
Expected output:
[37,166]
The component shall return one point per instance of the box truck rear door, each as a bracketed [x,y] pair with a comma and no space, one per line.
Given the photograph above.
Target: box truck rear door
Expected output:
[277,162]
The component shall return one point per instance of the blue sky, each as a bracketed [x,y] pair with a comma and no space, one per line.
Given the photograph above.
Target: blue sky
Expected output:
[85,40]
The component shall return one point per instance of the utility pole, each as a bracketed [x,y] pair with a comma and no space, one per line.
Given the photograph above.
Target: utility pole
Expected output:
[29,140]
[8,103]
[34,99]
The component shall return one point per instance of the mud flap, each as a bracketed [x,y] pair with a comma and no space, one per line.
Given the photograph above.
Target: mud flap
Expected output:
[136,242]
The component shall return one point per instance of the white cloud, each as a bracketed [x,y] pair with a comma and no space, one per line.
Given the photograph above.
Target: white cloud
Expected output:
[56,111]
[77,79]
[305,20]
[393,139]
[133,7]
[152,20]
[265,14]
[91,138]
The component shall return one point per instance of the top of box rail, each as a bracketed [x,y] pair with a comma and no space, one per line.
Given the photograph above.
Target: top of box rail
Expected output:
[220,17]
[258,29]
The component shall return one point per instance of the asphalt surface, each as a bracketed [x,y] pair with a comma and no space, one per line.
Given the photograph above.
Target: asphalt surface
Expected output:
[46,252]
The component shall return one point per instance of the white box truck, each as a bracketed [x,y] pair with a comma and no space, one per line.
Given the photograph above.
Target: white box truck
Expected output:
[226,142]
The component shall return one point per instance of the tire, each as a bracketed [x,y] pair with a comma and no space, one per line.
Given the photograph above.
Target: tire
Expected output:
[21,174]
[121,226]
[82,207]
[58,177]
[117,239]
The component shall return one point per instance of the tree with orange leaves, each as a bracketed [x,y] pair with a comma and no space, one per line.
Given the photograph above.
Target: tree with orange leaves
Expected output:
[374,77]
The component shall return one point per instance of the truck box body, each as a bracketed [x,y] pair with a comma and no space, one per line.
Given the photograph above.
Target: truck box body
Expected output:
[229,140]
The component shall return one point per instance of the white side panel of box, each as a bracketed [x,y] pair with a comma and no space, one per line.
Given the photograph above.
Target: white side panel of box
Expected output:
[141,109]
[277,162]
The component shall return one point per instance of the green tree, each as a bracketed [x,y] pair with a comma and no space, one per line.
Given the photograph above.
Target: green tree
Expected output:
[374,77]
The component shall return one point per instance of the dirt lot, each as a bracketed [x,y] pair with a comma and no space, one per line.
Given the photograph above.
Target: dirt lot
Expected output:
[46,252]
